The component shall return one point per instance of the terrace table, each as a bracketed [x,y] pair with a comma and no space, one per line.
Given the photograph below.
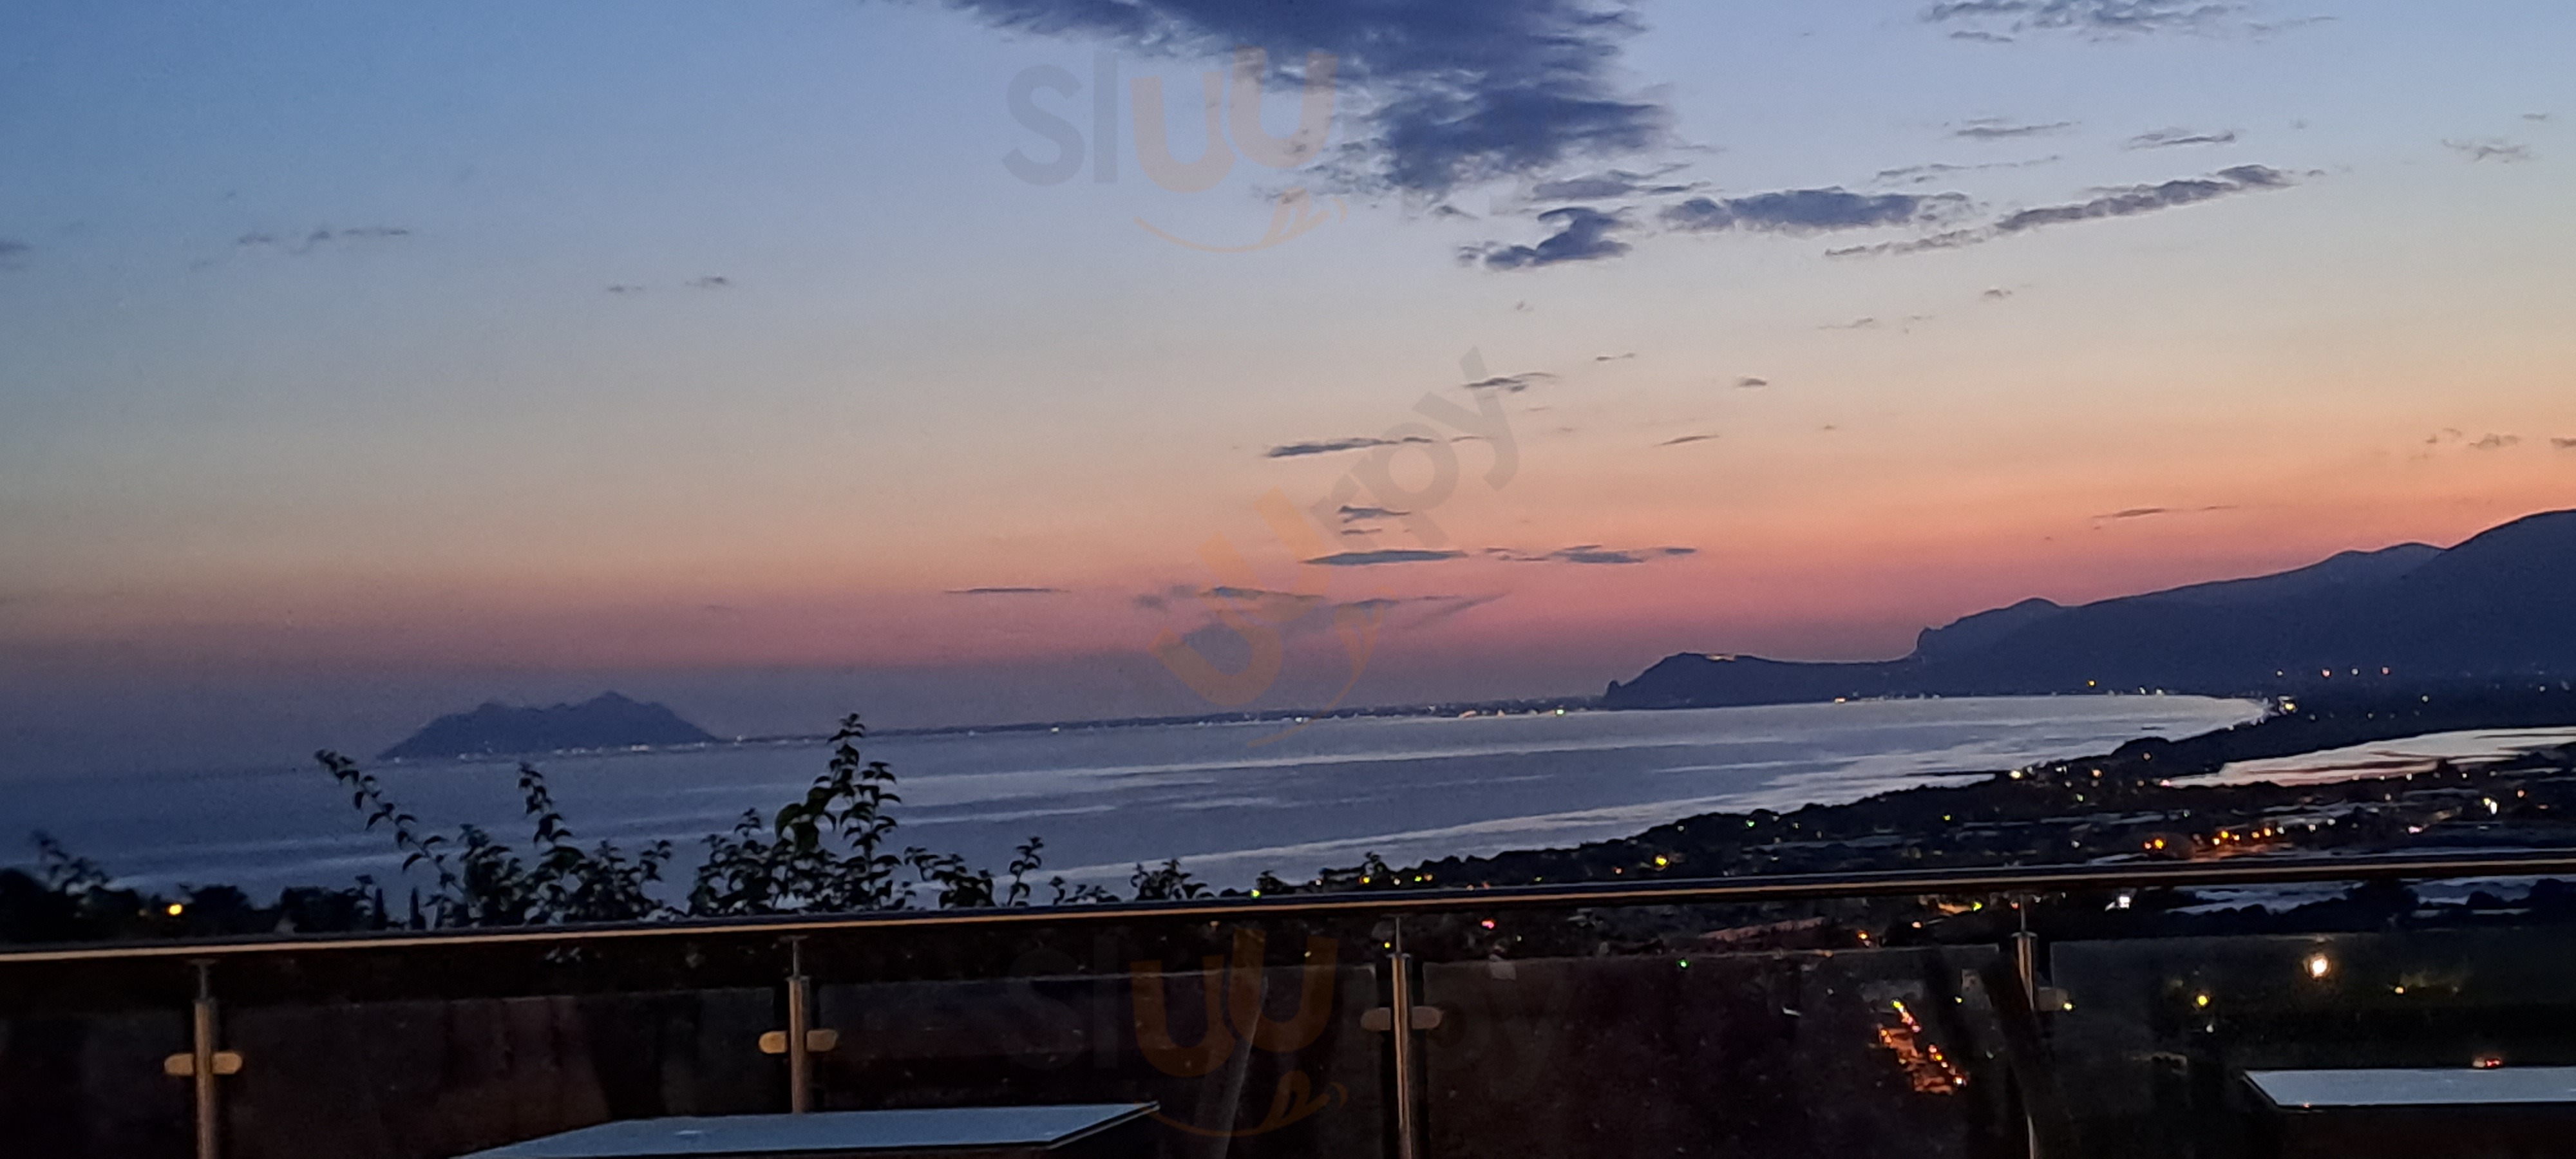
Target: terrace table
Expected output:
[1088,1131]
[2500,1113]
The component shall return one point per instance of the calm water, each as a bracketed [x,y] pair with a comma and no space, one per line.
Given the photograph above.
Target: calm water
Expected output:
[1105,798]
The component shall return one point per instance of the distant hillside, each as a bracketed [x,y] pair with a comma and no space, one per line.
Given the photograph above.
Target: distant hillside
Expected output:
[610,721]
[2502,604]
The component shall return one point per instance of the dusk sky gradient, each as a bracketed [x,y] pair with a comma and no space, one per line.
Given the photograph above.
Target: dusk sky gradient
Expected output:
[359,364]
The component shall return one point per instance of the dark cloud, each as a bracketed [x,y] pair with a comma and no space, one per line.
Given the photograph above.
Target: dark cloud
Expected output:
[1512,383]
[1621,357]
[1854,324]
[622,288]
[1445,210]
[2495,442]
[1583,235]
[319,237]
[13,254]
[1749,382]
[1684,439]
[1158,601]
[1994,129]
[1377,558]
[1433,94]
[1005,591]
[711,282]
[2130,201]
[2139,199]
[1352,514]
[2149,512]
[2509,152]
[1926,174]
[1603,186]
[1804,211]
[1330,446]
[2175,138]
[2563,444]
[2091,17]
[1996,295]
[2536,117]
[1980,36]
[1592,554]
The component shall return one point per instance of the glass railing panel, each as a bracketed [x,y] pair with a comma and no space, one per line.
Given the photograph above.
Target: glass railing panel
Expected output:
[1733,1048]
[1250,1037]
[2159,1033]
[79,1083]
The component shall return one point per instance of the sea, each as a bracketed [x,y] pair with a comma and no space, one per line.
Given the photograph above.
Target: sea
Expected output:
[1230,800]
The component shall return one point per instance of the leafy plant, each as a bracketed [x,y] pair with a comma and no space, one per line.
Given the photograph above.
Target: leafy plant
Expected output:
[1166,882]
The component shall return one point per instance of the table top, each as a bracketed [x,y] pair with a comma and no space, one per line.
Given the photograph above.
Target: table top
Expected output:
[829,1131]
[2312,1089]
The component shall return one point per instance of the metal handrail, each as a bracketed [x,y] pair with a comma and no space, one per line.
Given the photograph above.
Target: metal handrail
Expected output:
[2246,870]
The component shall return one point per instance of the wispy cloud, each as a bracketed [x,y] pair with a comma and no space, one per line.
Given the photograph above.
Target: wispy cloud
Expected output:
[2138,199]
[1619,357]
[1928,173]
[2150,512]
[1592,554]
[2491,149]
[1998,129]
[624,289]
[1805,211]
[1512,383]
[2088,17]
[1748,382]
[310,240]
[1583,234]
[1332,446]
[711,282]
[2176,138]
[1854,324]
[2130,201]
[1005,591]
[1382,558]
[2495,442]
[1685,439]
[1996,294]
[1612,184]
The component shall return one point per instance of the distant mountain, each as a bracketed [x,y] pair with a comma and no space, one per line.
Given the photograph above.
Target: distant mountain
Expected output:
[610,721]
[2502,604]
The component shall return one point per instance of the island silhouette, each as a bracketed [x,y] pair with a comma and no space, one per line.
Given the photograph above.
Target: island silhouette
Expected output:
[608,720]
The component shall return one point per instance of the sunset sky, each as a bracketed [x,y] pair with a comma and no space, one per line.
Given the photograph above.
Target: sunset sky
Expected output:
[359,364]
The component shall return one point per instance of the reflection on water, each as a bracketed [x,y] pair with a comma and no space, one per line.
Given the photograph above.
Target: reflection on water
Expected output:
[2388,758]
[1105,798]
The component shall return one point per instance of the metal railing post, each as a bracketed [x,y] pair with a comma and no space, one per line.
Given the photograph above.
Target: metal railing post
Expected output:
[1399,1002]
[800,1055]
[2025,951]
[201,1058]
